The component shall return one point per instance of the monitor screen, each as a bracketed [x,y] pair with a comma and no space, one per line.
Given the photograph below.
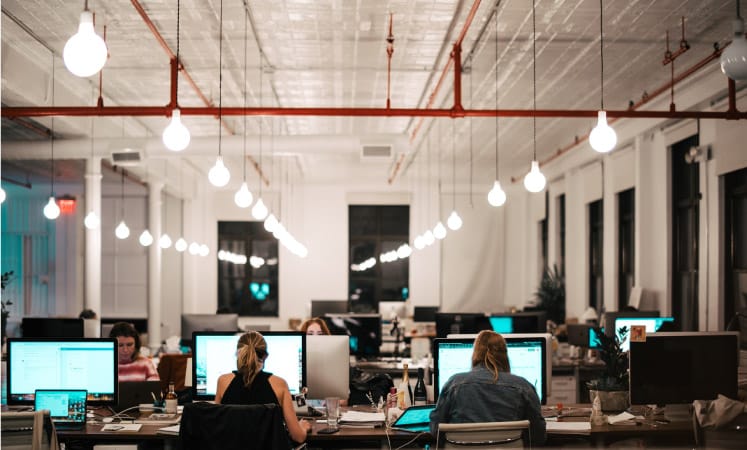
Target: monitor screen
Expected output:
[322,307]
[214,354]
[679,368]
[608,318]
[52,327]
[424,313]
[62,363]
[461,323]
[327,355]
[594,342]
[583,335]
[502,324]
[652,324]
[207,322]
[528,357]
[363,330]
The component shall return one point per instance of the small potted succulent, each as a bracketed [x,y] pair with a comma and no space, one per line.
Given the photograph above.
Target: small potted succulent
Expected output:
[612,386]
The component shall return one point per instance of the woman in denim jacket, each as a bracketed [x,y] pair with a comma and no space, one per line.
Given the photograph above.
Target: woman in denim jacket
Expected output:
[489,392]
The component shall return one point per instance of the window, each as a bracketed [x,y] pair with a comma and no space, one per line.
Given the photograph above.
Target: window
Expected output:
[596,247]
[735,244]
[249,288]
[625,246]
[374,230]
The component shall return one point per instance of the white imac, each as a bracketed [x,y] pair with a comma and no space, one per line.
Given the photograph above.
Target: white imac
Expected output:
[327,366]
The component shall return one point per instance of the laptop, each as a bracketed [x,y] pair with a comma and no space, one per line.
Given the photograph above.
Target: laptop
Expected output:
[67,407]
[135,393]
[416,419]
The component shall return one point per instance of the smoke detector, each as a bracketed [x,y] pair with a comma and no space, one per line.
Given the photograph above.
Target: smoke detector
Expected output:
[376,152]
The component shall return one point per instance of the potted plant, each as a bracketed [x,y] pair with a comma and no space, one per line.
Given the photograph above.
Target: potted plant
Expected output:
[551,294]
[613,386]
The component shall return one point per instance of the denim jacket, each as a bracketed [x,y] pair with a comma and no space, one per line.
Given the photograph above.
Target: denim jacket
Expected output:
[475,397]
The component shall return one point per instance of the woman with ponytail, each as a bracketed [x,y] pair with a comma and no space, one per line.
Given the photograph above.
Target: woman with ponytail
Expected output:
[489,392]
[250,385]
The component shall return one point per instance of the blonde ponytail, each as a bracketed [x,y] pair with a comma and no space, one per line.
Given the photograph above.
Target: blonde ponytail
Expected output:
[251,354]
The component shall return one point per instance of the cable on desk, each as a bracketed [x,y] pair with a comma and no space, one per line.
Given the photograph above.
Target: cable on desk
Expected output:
[410,441]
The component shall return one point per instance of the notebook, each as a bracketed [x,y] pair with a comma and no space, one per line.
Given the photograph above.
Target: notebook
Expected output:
[67,407]
[415,419]
[133,393]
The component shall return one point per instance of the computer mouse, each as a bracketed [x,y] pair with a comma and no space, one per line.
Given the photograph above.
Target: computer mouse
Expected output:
[107,419]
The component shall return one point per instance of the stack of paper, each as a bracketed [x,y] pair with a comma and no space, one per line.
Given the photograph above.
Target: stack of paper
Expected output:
[569,427]
[172,430]
[362,419]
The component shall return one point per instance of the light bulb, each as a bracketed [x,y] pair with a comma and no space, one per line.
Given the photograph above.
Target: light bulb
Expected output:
[243,198]
[176,135]
[602,138]
[85,52]
[419,244]
[497,196]
[204,250]
[2,195]
[91,221]
[734,57]
[164,241]
[51,210]
[219,175]
[194,248]
[271,223]
[439,231]
[259,210]
[180,245]
[146,239]
[428,237]
[454,221]
[403,251]
[534,181]
[122,231]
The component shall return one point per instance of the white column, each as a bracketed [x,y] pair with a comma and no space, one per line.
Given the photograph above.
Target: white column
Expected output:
[154,265]
[92,299]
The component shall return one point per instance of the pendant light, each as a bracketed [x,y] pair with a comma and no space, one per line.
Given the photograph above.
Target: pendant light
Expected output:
[51,210]
[2,195]
[122,231]
[176,136]
[602,138]
[92,220]
[439,230]
[259,210]
[734,57]
[496,196]
[243,197]
[534,181]
[219,175]
[454,221]
[145,239]
[181,244]
[85,52]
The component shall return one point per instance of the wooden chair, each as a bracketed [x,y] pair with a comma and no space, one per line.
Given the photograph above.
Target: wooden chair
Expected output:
[28,430]
[485,435]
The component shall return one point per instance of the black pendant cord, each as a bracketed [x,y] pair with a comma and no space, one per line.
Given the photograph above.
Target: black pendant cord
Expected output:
[121,206]
[178,61]
[601,52]
[534,82]
[246,37]
[453,165]
[497,129]
[471,105]
[261,69]
[52,129]
[220,79]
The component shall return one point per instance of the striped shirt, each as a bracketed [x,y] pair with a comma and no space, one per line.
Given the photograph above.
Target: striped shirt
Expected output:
[142,369]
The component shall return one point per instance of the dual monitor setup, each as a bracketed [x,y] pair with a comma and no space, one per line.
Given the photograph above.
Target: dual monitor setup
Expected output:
[584,335]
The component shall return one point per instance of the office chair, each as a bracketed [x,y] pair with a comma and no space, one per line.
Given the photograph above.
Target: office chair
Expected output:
[28,430]
[485,435]
[207,426]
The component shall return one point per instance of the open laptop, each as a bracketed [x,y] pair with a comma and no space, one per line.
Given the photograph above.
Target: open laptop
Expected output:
[415,419]
[135,393]
[67,407]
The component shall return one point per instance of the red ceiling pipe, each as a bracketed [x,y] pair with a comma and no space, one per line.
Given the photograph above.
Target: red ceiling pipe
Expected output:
[456,55]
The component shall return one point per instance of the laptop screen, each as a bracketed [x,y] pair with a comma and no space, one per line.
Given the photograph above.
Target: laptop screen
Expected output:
[65,406]
[415,418]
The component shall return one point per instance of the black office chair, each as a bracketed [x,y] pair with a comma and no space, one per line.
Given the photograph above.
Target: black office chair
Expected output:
[206,426]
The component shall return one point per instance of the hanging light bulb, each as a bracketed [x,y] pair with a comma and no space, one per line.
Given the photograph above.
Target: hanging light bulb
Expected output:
[146,239]
[497,196]
[164,241]
[734,57]
[454,221]
[204,250]
[219,175]
[2,195]
[439,231]
[259,210]
[176,135]
[194,248]
[243,197]
[419,244]
[602,138]
[428,238]
[91,221]
[271,223]
[122,231]
[85,52]
[534,181]
[51,210]
[180,245]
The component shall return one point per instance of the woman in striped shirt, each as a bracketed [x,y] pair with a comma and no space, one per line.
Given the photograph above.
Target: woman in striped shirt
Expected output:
[132,366]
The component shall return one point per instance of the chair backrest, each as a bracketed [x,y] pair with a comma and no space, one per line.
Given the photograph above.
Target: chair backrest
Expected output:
[28,430]
[485,435]
[207,426]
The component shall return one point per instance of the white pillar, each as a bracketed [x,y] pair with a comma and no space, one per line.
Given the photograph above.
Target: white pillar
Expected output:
[92,299]
[154,265]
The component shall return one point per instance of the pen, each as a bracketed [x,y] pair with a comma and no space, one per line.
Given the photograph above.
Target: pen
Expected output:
[155,402]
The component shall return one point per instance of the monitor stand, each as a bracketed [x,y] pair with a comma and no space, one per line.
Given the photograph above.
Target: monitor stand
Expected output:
[678,412]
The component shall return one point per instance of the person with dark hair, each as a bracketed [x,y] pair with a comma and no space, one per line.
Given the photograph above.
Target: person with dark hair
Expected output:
[132,365]
[251,385]
[490,392]
[315,325]
[87,314]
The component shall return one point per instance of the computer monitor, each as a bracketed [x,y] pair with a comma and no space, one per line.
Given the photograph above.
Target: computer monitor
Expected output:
[192,323]
[62,363]
[583,335]
[364,331]
[424,313]
[52,327]
[528,356]
[322,307]
[678,368]
[502,324]
[652,325]
[608,319]
[461,323]
[214,354]
[389,310]
[530,322]
[327,366]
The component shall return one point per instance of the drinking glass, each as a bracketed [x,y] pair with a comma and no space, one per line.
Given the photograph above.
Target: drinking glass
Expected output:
[333,411]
